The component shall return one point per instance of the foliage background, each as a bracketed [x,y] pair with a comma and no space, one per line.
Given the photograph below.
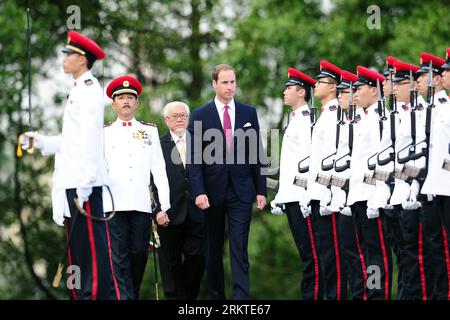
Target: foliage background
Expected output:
[172,46]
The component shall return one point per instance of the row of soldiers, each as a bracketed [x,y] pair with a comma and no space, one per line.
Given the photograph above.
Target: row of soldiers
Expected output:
[364,180]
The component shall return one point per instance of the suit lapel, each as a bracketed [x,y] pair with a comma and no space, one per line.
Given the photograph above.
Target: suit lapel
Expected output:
[215,117]
[238,117]
[168,144]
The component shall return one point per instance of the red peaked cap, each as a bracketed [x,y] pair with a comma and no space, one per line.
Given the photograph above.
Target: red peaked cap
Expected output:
[78,43]
[368,76]
[296,77]
[446,65]
[436,62]
[124,84]
[347,78]
[390,60]
[402,69]
[328,69]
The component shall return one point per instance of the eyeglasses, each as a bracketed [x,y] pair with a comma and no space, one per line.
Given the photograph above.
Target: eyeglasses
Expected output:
[401,83]
[175,116]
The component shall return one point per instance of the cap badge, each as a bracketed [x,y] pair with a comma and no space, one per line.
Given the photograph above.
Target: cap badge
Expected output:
[126,84]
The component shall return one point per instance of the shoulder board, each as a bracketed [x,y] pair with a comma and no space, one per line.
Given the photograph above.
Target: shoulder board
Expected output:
[332,108]
[88,82]
[305,113]
[442,100]
[405,107]
[108,124]
[357,117]
[147,123]
[419,106]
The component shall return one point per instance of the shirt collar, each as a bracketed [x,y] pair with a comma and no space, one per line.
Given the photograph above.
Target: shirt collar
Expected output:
[329,104]
[220,106]
[175,137]
[83,77]
[129,123]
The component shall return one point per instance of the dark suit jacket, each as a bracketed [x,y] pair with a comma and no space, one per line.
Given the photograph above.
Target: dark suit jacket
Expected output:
[245,171]
[181,202]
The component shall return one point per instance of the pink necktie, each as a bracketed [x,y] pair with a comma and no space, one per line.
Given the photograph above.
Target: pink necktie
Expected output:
[227,127]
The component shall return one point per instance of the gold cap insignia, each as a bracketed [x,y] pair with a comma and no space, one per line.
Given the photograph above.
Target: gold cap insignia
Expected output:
[126,84]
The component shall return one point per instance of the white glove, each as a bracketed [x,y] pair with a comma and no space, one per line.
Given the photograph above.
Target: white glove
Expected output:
[306,211]
[83,195]
[325,211]
[411,204]
[274,209]
[338,199]
[372,213]
[346,211]
[326,198]
[38,140]
[382,195]
[414,189]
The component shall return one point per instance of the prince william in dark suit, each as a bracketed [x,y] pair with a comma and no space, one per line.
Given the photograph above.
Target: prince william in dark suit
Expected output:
[225,176]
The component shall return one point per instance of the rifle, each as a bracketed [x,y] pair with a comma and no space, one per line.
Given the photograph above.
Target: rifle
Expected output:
[370,179]
[388,177]
[339,122]
[411,147]
[313,118]
[411,171]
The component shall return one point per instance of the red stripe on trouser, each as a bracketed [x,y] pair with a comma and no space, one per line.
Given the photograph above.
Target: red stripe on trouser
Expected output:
[336,253]
[363,266]
[447,260]
[386,266]
[69,257]
[93,252]
[116,286]
[421,268]
[316,260]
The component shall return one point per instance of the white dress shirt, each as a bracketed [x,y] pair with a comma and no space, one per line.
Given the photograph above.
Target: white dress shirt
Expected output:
[231,111]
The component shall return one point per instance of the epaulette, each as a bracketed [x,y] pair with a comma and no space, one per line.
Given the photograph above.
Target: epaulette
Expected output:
[88,82]
[419,107]
[108,124]
[305,113]
[332,108]
[147,123]
[405,107]
[442,100]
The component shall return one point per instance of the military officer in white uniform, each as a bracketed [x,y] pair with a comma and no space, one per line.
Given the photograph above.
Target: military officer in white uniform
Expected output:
[132,152]
[436,185]
[80,172]
[367,221]
[295,147]
[323,144]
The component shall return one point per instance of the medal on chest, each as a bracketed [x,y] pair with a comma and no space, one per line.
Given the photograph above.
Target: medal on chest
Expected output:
[142,137]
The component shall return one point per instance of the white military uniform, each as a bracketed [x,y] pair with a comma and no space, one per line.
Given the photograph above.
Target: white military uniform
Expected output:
[323,143]
[366,138]
[437,181]
[79,159]
[295,147]
[132,152]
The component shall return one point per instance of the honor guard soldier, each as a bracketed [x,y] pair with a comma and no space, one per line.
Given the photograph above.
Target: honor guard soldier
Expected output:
[132,153]
[353,257]
[404,197]
[292,185]
[436,185]
[79,172]
[384,172]
[367,221]
[323,144]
